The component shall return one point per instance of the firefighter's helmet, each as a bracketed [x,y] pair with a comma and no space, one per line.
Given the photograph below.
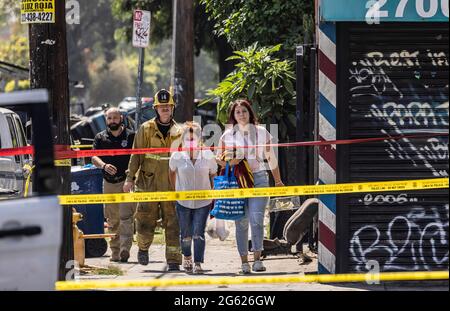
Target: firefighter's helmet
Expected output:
[163,97]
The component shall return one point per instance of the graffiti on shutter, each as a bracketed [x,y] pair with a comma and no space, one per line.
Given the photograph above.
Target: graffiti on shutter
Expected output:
[398,84]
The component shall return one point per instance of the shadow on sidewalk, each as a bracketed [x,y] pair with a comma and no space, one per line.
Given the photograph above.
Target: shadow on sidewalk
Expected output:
[397,286]
[254,274]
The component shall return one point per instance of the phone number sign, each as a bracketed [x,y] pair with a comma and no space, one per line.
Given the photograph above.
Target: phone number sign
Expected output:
[373,11]
[37,11]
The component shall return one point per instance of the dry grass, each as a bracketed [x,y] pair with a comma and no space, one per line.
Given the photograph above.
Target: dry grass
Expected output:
[110,270]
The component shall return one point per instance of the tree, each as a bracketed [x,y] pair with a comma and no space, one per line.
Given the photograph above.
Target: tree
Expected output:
[161,29]
[15,50]
[90,44]
[268,22]
[14,55]
[113,84]
[266,81]
[7,10]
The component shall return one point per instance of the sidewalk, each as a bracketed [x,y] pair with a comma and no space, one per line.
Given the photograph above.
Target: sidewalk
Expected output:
[222,260]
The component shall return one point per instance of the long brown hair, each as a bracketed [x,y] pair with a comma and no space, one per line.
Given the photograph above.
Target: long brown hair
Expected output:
[241,102]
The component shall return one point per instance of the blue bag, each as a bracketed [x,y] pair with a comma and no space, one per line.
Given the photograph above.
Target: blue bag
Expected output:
[228,209]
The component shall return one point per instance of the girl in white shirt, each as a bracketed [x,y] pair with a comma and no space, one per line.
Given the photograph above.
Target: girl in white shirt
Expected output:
[245,131]
[192,170]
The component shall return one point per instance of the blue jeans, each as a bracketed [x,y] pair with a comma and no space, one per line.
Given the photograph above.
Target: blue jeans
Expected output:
[192,226]
[254,212]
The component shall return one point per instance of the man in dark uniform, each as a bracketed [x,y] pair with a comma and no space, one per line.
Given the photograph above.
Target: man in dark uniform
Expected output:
[118,216]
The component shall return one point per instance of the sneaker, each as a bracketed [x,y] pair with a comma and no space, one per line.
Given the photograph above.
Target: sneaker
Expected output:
[114,257]
[173,267]
[143,257]
[187,265]
[198,269]
[245,268]
[124,255]
[258,266]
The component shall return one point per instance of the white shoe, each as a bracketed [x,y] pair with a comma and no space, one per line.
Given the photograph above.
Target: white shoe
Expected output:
[198,269]
[245,268]
[258,266]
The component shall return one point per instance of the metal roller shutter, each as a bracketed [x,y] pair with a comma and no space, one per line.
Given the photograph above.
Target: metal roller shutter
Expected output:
[393,80]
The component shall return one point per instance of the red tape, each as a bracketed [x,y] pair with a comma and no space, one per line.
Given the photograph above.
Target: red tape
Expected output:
[16,151]
[64,152]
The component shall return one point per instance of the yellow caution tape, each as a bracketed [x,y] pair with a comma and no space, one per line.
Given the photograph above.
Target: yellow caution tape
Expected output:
[29,168]
[80,146]
[325,278]
[383,186]
[65,162]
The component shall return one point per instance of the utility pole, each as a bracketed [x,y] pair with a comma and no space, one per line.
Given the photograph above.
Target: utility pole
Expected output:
[140,78]
[49,70]
[183,59]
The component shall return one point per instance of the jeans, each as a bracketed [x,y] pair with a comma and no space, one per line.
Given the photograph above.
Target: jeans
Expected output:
[254,213]
[192,226]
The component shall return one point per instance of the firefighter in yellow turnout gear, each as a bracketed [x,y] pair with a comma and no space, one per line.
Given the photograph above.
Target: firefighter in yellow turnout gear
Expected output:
[150,172]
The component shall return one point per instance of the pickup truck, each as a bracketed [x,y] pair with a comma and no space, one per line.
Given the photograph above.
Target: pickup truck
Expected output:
[31,228]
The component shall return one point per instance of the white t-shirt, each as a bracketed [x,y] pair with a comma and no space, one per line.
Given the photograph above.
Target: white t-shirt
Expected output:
[256,135]
[193,176]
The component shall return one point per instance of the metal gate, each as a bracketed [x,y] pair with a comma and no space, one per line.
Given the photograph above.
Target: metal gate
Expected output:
[392,80]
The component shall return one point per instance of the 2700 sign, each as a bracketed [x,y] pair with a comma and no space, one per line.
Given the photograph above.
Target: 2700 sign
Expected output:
[40,17]
[423,8]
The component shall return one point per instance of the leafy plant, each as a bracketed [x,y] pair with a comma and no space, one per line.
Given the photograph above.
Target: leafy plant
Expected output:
[266,81]
[14,50]
[15,85]
[268,22]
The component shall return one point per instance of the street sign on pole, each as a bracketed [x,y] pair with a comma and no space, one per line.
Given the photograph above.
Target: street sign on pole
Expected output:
[141,39]
[139,89]
[141,28]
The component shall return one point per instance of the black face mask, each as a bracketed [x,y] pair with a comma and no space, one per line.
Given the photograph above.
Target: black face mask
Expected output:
[114,126]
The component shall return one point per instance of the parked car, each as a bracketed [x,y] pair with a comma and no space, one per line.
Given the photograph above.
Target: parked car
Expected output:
[93,110]
[31,228]
[207,112]
[13,169]
[85,130]
[129,103]
[147,111]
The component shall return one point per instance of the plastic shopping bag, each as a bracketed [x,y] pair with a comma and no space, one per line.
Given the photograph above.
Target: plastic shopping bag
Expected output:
[217,229]
[228,209]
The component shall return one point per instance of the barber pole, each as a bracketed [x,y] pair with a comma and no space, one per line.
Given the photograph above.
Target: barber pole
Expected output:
[327,154]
